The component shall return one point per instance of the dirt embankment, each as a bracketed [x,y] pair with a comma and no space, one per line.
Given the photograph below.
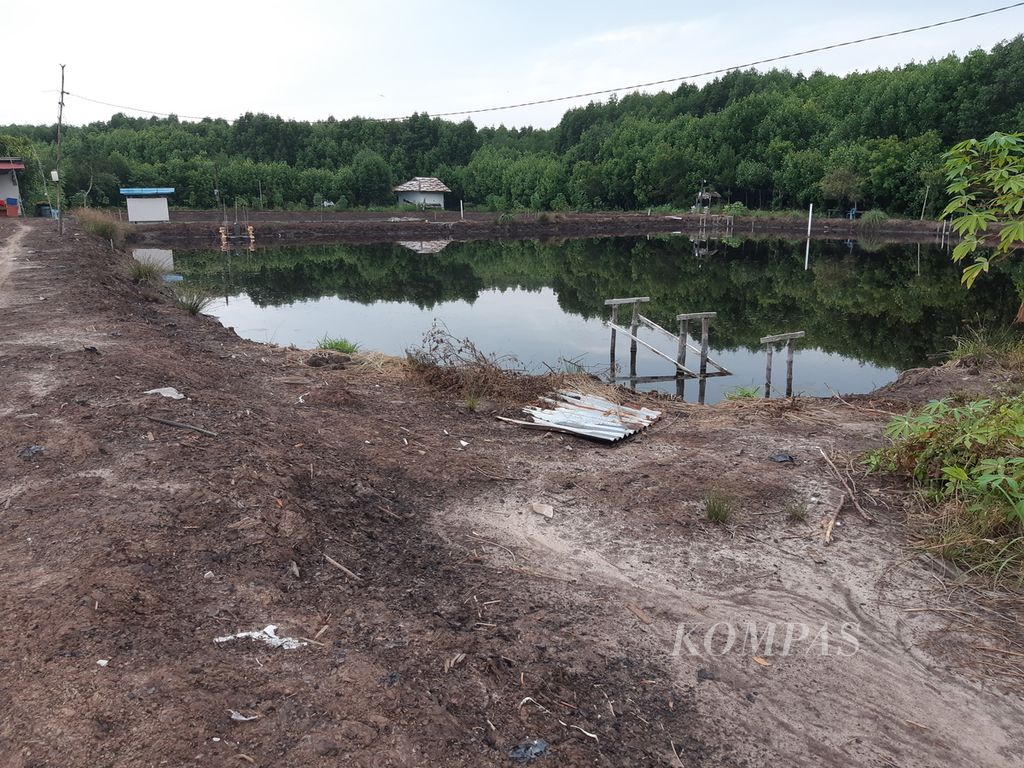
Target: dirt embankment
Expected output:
[199,228]
[443,621]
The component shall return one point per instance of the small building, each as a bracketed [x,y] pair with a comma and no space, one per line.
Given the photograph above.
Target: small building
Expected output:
[148,203]
[10,193]
[424,191]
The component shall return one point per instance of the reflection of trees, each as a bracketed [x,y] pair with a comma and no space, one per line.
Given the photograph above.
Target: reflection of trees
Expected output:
[873,307]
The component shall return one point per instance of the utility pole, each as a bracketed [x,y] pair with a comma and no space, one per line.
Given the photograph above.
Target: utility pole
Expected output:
[60,122]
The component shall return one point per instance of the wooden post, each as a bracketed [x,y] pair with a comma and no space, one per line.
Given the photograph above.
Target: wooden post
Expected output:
[684,332]
[704,323]
[634,326]
[611,356]
[770,342]
[702,390]
[789,368]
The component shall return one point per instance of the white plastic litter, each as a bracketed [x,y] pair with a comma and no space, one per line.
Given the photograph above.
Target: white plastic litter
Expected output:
[103,662]
[242,718]
[170,392]
[267,636]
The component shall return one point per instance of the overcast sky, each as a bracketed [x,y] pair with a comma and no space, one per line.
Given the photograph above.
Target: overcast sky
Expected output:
[308,59]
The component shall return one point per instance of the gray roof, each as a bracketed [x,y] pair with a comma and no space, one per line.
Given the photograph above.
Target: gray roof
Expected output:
[422,184]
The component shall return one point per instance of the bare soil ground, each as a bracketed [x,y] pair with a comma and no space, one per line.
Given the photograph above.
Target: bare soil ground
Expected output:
[465,624]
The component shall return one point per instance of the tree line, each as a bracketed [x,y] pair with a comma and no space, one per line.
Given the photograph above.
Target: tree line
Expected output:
[762,140]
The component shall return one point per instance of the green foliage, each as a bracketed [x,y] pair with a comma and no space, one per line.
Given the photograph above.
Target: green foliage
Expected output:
[1002,345]
[339,344]
[743,392]
[718,506]
[967,460]
[767,140]
[986,181]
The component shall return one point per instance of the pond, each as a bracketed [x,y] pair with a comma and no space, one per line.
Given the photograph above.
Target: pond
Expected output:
[867,312]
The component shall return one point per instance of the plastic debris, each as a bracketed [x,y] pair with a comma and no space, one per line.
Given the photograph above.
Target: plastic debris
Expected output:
[103,662]
[170,392]
[782,458]
[267,636]
[30,452]
[546,510]
[528,751]
[239,717]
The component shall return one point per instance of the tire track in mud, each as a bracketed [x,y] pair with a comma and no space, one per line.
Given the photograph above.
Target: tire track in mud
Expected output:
[880,699]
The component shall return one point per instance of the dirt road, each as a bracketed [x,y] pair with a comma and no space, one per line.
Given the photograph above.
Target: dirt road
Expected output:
[438,620]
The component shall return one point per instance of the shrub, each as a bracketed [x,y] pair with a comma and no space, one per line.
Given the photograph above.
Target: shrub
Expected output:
[872,221]
[743,392]
[967,461]
[146,272]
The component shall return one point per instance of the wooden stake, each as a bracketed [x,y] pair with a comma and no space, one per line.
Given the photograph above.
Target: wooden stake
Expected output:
[633,326]
[611,356]
[768,372]
[789,368]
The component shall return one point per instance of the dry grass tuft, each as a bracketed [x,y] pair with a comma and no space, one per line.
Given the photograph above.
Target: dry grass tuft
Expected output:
[102,224]
[457,368]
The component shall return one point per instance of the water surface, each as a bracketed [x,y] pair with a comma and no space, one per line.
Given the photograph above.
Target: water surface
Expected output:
[867,315]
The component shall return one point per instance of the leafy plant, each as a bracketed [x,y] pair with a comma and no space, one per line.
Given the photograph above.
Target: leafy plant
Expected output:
[967,461]
[340,344]
[743,392]
[986,181]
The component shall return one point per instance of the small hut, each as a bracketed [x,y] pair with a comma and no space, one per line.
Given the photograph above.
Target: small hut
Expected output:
[148,203]
[424,191]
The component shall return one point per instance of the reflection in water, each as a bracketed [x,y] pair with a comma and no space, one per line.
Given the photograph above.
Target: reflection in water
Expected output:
[865,314]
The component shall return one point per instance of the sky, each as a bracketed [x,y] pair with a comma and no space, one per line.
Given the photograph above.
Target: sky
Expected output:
[310,59]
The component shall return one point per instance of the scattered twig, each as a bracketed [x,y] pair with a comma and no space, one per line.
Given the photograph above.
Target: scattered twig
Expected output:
[181,425]
[493,544]
[846,484]
[340,567]
[675,754]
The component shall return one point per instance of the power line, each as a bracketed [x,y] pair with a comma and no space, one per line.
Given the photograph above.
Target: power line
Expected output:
[724,69]
[636,86]
[135,109]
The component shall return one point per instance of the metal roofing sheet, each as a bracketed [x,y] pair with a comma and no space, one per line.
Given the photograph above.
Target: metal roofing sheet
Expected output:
[146,191]
[11,165]
[422,184]
[588,416]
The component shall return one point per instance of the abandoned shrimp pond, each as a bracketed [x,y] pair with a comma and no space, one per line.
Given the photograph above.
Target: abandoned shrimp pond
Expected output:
[868,310]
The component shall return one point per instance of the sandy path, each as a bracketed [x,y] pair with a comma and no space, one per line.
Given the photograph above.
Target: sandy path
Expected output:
[8,248]
[880,694]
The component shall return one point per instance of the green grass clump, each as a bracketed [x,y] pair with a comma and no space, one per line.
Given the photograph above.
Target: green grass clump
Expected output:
[967,461]
[1003,346]
[718,506]
[340,344]
[192,300]
[872,222]
[796,512]
[743,393]
[146,272]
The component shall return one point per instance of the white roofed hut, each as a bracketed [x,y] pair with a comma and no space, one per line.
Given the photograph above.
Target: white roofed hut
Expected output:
[422,191]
